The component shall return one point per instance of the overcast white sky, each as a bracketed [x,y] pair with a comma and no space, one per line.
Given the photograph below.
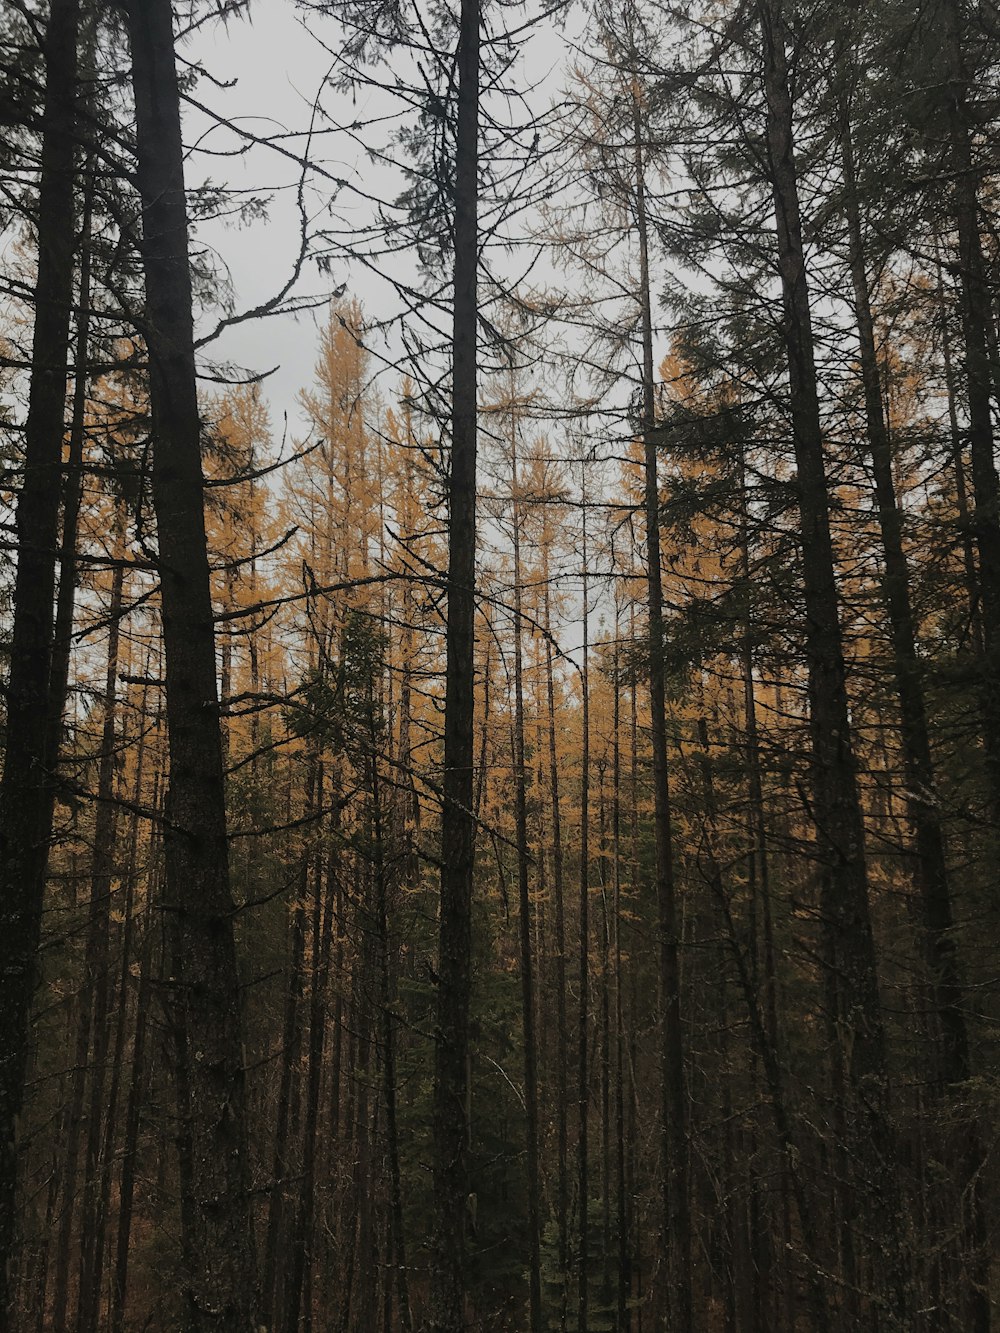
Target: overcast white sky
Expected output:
[276,68]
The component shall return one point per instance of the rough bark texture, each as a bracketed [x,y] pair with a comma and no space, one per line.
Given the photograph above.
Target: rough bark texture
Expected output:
[448,1278]
[850,954]
[673,1108]
[914,735]
[976,304]
[562,1030]
[221,1284]
[583,1008]
[524,927]
[25,795]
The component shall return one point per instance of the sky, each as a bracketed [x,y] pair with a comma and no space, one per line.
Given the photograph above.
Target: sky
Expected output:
[273,68]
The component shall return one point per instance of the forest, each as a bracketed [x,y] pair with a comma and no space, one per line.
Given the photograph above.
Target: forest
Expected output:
[500,648]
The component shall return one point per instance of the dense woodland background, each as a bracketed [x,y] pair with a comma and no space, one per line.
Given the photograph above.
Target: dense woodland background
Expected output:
[515,848]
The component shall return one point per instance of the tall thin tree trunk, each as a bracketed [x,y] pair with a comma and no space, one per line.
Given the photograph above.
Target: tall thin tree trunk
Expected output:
[122,1021]
[838,820]
[524,916]
[676,1218]
[220,1289]
[62,638]
[623,1218]
[449,1270]
[388,961]
[98,945]
[977,315]
[761,925]
[605,944]
[277,1223]
[137,1077]
[562,1029]
[25,794]
[918,766]
[583,1012]
[964,522]
[946,990]
[303,1255]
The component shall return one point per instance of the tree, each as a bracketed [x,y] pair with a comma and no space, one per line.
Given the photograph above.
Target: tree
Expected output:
[856,1006]
[25,789]
[221,1286]
[449,1279]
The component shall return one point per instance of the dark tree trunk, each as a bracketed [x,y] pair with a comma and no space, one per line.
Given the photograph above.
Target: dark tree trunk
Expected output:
[964,523]
[761,960]
[449,1269]
[221,1286]
[623,1218]
[388,965]
[136,1090]
[857,1015]
[918,767]
[62,638]
[58,691]
[97,977]
[562,1030]
[676,1218]
[524,922]
[977,316]
[25,790]
[946,991]
[278,1224]
[303,1250]
[583,1011]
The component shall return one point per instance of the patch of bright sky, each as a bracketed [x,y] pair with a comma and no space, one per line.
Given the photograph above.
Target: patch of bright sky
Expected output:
[274,69]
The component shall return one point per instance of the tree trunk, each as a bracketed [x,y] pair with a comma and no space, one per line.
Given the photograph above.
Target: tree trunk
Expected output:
[303,1252]
[221,1287]
[449,1279]
[388,961]
[562,1030]
[837,810]
[98,946]
[524,920]
[134,1100]
[25,793]
[676,1218]
[583,1012]
[761,927]
[918,768]
[951,1056]
[291,1037]
[623,1217]
[976,317]
[62,638]
[964,520]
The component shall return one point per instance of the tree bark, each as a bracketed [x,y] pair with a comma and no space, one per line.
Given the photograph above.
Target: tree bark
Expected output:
[977,315]
[951,1056]
[98,945]
[137,1078]
[583,1011]
[449,1278]
[220,1290]
[524,917]
[676,1218]
[918,767]
[25,788]
[857,1015]
[562,1030]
